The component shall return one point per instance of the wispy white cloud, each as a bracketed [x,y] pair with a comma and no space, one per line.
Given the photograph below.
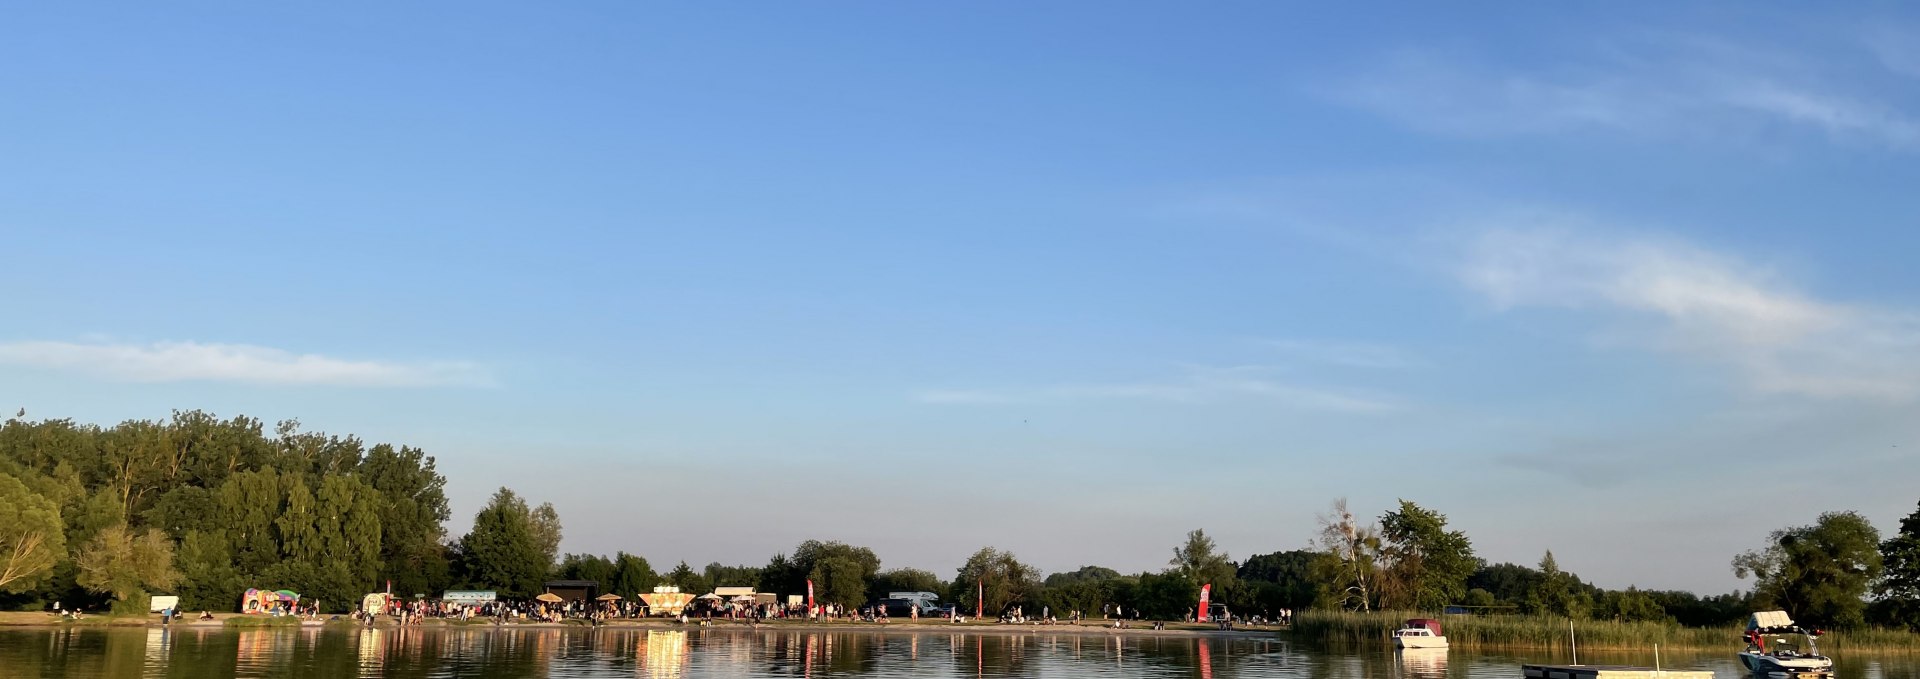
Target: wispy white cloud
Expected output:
[1199,385]
[1352,354]
[1666,87]
[196,361]
[1838,116]
[1897,47]
[1441,94]
[1706,305]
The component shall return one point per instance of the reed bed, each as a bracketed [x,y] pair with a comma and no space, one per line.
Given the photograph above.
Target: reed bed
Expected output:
[1344,628]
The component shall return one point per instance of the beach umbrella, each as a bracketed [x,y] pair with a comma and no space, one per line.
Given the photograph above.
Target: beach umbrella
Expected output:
[608,597]
[710,595]
[548,597]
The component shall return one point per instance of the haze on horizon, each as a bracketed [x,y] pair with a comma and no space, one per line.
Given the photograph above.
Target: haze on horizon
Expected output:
[1632,283]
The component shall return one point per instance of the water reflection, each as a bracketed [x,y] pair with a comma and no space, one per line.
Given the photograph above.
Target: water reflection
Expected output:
[700,653]
[661,654]
[1422,663]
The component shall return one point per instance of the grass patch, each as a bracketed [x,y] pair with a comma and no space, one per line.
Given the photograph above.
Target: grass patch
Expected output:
[1345,628]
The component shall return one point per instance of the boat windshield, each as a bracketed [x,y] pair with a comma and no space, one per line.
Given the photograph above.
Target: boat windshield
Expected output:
[1790,646]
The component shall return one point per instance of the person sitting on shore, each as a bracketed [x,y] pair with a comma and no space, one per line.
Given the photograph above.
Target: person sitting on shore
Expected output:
[205,616]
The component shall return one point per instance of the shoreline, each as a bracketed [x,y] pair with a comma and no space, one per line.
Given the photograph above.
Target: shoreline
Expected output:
[17,620]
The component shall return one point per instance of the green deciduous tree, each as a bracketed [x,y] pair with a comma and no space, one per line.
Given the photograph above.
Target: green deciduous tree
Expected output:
[599,569]
[1349,562]
[1819,573]
[502,552]
[905,580]
[1427,565]
[1631,605]
[32,538]
[209,578]
[1899,586]
[1083,574]
[413,512]
[1006,581]
[1509,583]
[1557,592]
[1201,561]
[1281,579]
[782,576]
[840,572]
[1086,590]
[1165,596]
[119,562]
[290,509]
[632,576]
[688,579]
[544,524]
[731,576]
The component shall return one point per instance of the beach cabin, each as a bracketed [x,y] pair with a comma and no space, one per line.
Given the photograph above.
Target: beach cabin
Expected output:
[666,600]
[469,597]
[573,590]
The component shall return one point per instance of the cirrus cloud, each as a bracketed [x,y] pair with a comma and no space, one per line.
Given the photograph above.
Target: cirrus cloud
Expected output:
[1199,385]
[1662,87]
[1706,305]
[244,363]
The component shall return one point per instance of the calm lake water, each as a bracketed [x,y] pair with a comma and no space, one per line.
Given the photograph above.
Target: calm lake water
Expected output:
[693,654]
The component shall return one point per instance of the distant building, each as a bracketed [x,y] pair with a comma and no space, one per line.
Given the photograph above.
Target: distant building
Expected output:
[469,597]
[574,590]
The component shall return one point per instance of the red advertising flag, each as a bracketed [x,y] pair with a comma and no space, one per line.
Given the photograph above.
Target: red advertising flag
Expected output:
[809,595]
[1206,591]
[980,604]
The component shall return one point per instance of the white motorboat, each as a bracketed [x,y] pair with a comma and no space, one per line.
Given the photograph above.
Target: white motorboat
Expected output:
[1793,653]
[1420,633]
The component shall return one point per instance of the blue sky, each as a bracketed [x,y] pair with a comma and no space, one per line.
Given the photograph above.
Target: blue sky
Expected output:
[1632,283]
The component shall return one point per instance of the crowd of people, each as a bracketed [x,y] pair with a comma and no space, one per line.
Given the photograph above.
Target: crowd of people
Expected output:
[705,611]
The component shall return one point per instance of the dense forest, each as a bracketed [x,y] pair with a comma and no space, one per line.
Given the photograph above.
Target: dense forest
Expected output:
[206,508]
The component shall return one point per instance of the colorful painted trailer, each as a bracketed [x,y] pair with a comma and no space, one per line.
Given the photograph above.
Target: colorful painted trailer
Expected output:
[268,601]
[375,603]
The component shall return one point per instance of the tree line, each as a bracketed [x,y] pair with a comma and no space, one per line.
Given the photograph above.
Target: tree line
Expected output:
[207,507]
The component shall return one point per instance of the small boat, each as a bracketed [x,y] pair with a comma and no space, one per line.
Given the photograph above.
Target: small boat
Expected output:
[1788,657]
[1420,633]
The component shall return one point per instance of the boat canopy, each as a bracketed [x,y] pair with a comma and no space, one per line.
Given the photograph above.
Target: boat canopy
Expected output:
[1772,622]
[1427,623]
